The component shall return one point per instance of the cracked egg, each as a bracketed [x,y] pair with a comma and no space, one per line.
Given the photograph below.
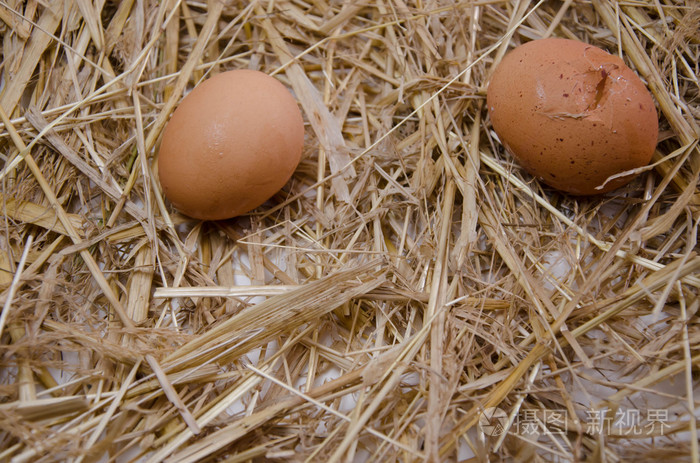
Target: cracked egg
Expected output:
[573,115]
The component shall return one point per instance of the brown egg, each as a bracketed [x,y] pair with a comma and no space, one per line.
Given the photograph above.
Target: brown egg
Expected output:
[572,114]
[231,144]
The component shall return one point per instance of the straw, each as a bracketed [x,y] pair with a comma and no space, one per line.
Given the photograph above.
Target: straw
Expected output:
[407,287]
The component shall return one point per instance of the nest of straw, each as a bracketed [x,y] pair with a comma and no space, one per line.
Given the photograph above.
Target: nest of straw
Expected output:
[410,295]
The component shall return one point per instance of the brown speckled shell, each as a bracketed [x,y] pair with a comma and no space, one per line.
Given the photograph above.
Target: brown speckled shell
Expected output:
[231,144]
[572,114]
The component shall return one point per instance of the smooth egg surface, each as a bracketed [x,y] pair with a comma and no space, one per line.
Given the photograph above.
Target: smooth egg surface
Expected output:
[572,114]
[233,142]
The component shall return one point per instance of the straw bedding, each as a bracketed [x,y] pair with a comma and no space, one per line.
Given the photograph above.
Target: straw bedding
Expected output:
[407,280]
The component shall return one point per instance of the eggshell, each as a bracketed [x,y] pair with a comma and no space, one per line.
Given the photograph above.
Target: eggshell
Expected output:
[230,145]
[572,114]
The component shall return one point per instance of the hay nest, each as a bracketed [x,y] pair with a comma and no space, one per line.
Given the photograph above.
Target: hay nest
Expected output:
[410,295]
